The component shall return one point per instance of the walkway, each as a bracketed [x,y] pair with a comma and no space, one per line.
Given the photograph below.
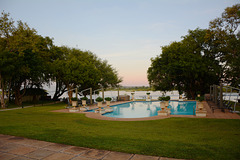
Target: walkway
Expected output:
[18,148]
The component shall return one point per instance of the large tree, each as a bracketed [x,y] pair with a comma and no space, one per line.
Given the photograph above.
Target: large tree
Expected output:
[29,60]
[82,69]
[224,35]
[30,51]
[203,57]
[58,54]
[6,60]
[186,66]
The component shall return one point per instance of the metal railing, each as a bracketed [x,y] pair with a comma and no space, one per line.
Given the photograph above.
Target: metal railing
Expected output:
[216,95]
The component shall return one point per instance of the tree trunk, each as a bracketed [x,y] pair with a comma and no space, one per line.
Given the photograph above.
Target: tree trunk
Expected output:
[9,89]
[60,90]
[192,94]
[2,92]
[2,98]
[55,96]
[35,98]
[70,92]
[18,96]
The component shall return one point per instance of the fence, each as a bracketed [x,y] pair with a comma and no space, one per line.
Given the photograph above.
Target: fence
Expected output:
[216,95]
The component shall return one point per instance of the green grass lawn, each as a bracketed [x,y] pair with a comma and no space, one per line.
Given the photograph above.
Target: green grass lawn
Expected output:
[189,138]
[24,104]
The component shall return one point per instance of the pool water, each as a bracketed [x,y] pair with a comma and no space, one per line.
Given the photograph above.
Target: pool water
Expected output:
[149,109]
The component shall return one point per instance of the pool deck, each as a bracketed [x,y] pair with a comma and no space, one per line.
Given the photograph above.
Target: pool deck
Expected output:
[218,114]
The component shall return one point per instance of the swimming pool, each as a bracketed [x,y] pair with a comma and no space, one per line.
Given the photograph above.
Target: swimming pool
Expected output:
[149,109]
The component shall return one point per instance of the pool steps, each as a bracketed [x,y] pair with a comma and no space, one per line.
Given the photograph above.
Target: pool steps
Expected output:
[200,110]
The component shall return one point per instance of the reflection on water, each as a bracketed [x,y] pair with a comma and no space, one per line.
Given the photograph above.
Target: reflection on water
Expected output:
[182,107]
[149,109]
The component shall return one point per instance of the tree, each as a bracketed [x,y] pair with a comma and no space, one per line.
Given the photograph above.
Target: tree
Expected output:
[76,69]
[108,76]
[58,54]
[30,51]
[6,60]
[185,66]
[224,34]
[28,60]
[203,57]
[82,69]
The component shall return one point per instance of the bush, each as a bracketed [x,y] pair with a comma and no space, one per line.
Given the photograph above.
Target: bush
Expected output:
[167,98]
[108,98]
[74,99]
[99,99]
[148,93]
[84,98]
[201,98]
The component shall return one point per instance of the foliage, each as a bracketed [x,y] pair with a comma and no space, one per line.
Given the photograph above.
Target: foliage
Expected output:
[29,60]
[34,91]
[6,60]
[76,69]
[164,98]
[148,93]
[201,98]
[82,70]
[99,99]
[185,138]
[185,66]
[203,57]
[224,34]
[84,98]
[57,53]
[109,75]
[108,98]
[30,52]
[74,99]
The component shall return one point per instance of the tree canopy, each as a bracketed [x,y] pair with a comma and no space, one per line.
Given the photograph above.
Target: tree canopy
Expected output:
[28,60]
[202,58]
[82,70]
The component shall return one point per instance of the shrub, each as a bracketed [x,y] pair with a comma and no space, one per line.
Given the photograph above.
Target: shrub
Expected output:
[201,98]
[148,93]
[108,98]
[84,98]
[167,98]
[74,99]
[99,99]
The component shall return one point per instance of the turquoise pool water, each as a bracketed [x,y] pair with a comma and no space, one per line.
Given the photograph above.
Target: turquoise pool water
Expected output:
[149,109]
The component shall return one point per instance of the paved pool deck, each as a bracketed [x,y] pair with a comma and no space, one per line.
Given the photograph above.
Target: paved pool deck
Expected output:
[218,114]
[19,148]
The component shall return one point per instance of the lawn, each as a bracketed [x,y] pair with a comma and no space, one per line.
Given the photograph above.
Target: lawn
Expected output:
[24,104]
[188,138]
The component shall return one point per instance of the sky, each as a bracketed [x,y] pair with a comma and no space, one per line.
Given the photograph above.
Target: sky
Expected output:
[126,33]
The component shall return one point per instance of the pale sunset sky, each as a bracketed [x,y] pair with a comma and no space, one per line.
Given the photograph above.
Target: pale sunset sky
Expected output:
[126,33]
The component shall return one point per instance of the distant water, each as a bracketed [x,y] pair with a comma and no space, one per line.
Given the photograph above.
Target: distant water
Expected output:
[138,94]
[114,94]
